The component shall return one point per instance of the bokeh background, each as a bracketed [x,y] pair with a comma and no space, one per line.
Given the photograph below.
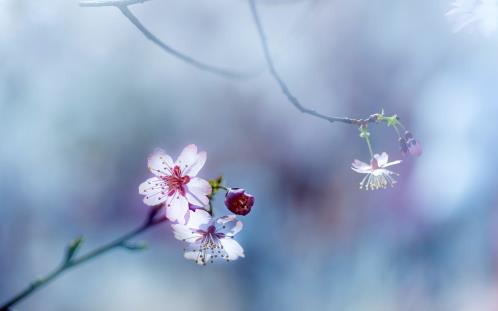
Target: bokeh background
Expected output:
[84,98]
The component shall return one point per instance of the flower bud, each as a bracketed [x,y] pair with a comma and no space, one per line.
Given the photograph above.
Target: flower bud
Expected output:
[238,201]
[403,146]
[408,135]
[414,147]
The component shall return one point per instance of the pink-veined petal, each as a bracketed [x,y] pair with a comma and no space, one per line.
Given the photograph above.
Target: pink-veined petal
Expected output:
[228,225]
[154,191]
[176,208]
[183,233]
[152,185]
[232,248]
[160,163]
[197,191]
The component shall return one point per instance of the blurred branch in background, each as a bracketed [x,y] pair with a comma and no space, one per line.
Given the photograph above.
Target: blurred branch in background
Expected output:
[71,259]
[122,5]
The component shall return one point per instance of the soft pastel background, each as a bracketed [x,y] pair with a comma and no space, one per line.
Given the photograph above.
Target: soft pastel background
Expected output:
[84,98]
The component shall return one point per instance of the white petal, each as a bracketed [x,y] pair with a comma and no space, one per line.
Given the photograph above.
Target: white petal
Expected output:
[198,219]
[232,248]
[160,163]
[392,163]
[361,170]
[155,191]
[183,233]
[176,208]
[228,225]
[381,159]
[360,165]
[152,185]
[197,191]
[194,167]
[190,162]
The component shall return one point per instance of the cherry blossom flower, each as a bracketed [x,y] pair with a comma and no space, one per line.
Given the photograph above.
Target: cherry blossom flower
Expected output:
[175,183]
[209,239]
[377,176]
[481,15]
[238,201]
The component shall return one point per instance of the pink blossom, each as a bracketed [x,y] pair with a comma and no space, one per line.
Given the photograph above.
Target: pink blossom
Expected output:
[175,183]
[209,239]
[377,176]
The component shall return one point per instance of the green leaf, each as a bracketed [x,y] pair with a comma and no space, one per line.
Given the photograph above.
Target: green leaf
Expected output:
[72,248]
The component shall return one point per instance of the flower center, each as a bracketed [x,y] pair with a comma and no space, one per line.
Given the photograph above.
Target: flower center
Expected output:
[374,164]
[176,182]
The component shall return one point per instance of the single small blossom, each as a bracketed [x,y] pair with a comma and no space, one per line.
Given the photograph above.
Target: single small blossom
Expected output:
[481,15]
[238,201]
[377,176]
[209,239]
[175,183]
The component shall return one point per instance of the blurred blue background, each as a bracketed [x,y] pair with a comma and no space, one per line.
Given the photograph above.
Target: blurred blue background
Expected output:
[84,98]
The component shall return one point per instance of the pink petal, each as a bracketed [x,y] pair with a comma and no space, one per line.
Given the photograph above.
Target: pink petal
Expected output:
[232,248]
[151,185]
[191,162]
[176,208]
[160,163]
[381,159]
[360,165]
[197,191]
[198,219]
[154,190]
[183,233]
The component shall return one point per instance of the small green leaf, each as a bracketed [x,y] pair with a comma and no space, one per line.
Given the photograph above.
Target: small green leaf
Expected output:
[215,185]
[72,248]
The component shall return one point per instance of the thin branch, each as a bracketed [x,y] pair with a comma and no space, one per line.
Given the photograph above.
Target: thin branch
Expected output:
[122,5]
[99,3]
[70,262]
[283,86]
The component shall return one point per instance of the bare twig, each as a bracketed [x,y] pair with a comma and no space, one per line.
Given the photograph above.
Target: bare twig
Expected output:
[283,86]
[98,3]
[122,5]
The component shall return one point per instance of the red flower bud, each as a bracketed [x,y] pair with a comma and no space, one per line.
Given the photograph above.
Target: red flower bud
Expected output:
[238,201]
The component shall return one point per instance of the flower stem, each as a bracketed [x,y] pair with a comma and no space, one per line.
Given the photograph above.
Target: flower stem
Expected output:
[369,146]
[397,131]
[150,222]
[224,188]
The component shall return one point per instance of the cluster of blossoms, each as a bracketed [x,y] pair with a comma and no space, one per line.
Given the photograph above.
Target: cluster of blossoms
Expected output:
[187,199]
[480,15]
[377,176]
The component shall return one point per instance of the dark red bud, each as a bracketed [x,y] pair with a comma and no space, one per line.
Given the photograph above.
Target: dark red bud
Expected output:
[238,201]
